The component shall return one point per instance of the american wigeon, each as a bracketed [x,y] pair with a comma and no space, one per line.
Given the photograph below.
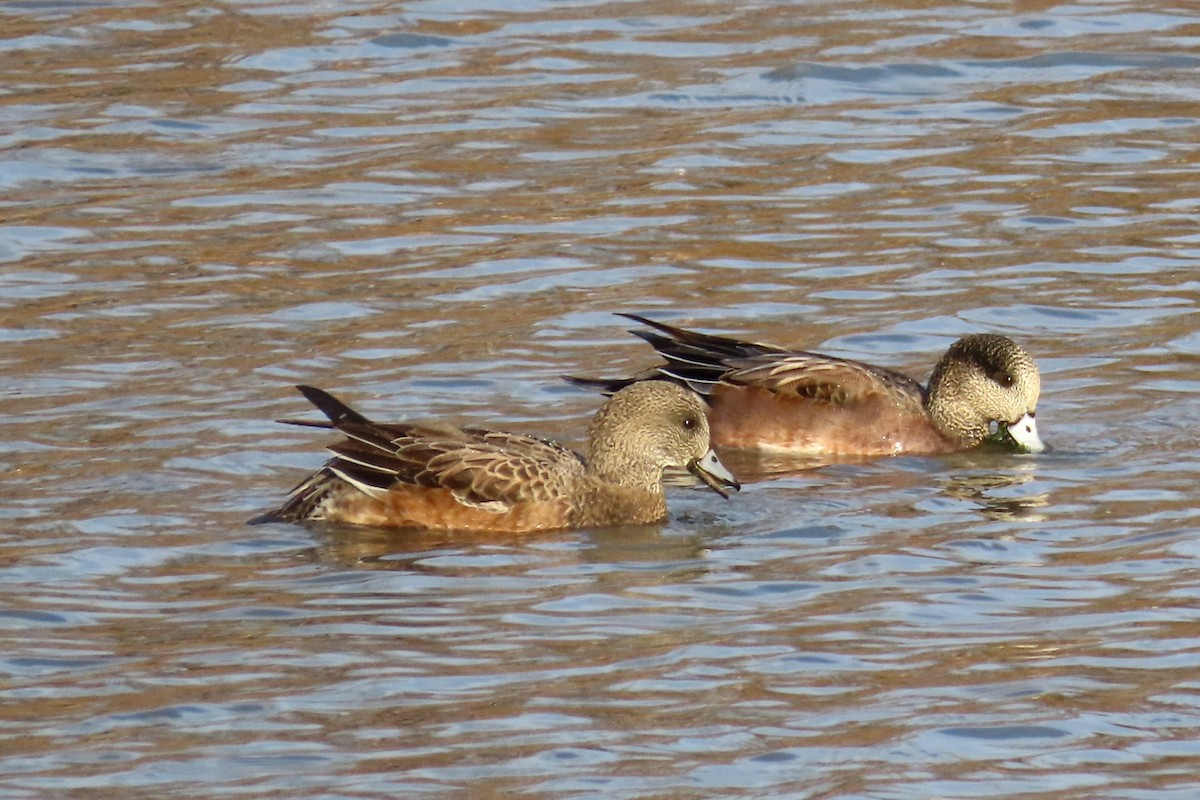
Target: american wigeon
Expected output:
[770,398]
[447,478]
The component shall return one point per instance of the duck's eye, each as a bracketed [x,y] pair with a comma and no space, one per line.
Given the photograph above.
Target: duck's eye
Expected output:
[1003,378]
[689,423]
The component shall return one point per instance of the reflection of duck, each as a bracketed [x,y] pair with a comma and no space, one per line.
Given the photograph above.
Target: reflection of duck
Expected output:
[982,490]
[755,466]
[623,549]
[422,476]
[766,397]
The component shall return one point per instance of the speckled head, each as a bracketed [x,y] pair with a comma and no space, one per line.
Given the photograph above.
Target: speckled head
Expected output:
[984,379]
[649,426]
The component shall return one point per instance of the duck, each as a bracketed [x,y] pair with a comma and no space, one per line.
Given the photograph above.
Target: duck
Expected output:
[441,477]
[771,399]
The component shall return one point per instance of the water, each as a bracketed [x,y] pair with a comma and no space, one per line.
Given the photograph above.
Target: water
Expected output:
[433,209]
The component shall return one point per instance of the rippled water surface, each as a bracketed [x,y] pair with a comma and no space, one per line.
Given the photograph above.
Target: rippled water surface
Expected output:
[433,208]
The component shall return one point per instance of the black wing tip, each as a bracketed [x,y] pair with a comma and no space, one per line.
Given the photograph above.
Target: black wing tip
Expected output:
[337,411]
[318,397]
[662,327]
[606,386]
[307,423]
[665,336]
[636,318]
[656,340]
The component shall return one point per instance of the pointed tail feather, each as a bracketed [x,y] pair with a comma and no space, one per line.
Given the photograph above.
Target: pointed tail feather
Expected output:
[694,360]
[305,499]
[696,347]
[338,412]
[606,386]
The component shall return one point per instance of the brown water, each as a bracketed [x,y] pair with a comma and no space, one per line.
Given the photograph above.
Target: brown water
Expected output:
[432,208]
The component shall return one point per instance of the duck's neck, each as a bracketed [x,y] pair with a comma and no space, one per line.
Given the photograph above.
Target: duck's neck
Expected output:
[624,505]
[611,463]
[609,456]
[951,416]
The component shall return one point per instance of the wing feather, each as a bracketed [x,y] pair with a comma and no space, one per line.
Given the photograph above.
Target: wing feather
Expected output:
[491,470]
[703,362]
[823,379]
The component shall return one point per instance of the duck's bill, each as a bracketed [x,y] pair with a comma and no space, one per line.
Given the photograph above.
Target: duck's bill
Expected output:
[1023,435]
[714,474]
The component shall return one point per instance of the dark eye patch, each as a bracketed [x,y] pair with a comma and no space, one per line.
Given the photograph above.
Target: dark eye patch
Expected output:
[1002,378]
[689,423]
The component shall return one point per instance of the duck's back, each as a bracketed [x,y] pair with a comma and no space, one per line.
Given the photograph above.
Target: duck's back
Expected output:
[442,477]
[808,403]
